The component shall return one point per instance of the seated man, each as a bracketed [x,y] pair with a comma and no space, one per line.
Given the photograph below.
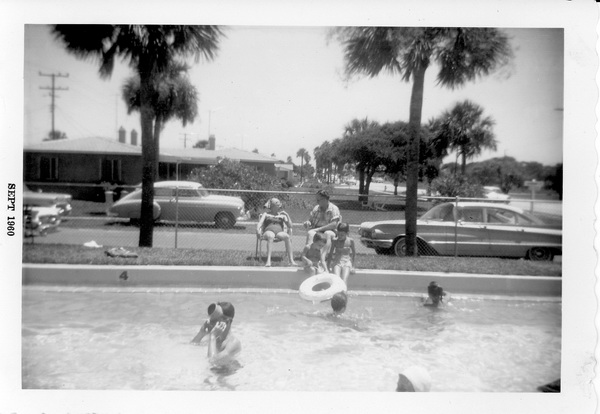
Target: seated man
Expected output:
[222,346]
[275,224]
[324,218]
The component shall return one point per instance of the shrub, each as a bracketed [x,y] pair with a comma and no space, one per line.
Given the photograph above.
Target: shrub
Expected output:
[233,175]
[453,186]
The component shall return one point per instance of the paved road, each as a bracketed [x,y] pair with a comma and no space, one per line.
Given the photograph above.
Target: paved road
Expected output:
[185,239]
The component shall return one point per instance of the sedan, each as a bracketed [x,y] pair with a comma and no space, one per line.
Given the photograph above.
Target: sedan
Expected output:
[468,229]
[60,201]
[183,201]
[40,220]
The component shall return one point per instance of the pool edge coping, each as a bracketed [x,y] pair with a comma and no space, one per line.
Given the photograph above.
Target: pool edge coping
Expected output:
[286,278]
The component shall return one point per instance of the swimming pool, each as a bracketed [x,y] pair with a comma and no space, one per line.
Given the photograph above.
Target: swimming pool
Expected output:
[138,339]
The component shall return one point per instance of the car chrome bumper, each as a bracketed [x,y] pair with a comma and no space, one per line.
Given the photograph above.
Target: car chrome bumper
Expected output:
[380,243]
[244,216]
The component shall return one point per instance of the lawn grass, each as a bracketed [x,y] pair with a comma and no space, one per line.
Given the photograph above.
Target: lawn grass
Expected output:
[75,254]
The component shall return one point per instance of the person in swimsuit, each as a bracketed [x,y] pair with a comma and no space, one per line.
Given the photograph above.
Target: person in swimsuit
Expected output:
[222,346]
[313,255]
[343,253]
[272,225]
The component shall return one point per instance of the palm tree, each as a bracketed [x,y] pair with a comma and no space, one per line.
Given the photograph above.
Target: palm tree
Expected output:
[149,50]
[302,154]
[175,97]
[462,54]
[464,130]
[354,128]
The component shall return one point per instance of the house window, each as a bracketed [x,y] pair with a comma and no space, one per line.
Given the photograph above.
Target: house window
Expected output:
[48,168]
[110,170]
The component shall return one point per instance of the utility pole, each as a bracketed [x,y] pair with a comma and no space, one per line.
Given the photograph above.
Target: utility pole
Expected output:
[53,94]
[185,134]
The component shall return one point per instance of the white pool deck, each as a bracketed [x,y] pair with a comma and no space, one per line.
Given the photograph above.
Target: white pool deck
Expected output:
[285,278]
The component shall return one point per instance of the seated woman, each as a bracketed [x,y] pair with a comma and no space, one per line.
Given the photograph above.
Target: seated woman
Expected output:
[275,224]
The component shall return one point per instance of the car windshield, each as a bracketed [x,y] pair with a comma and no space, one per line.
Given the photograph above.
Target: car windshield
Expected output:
[442,212]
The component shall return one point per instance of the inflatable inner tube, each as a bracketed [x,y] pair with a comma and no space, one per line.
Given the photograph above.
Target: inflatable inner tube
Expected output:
[321,287]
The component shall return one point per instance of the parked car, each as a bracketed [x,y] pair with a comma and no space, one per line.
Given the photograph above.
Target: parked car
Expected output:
[495,193]
[468,229]
[39,220]
[61,201]
[183,201]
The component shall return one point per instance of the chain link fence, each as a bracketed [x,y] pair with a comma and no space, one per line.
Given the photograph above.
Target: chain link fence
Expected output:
[222,219]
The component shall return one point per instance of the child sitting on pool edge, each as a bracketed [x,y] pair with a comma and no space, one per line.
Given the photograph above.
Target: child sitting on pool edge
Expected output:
[313,255]
[343,253]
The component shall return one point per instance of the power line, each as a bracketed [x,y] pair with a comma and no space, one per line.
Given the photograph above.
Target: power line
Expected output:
[52,89]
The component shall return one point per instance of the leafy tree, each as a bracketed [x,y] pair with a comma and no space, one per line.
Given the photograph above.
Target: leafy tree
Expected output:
[173,96]
[504,171]
[233,175]
[462,54]
[149,50]
[464,129]
[203,143]
[323,160]
[55,135]
[371,149]
[456,186]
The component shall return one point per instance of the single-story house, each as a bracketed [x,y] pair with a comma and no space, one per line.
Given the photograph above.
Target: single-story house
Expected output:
[75,165]
[285,171]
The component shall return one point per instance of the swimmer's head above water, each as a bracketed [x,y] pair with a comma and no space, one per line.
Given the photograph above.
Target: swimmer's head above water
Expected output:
[339,302]
[217,312]
[436,293]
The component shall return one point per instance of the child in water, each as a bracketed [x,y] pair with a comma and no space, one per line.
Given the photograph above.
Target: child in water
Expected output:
[313,255]
[339,302]
[435,294]
[343,253]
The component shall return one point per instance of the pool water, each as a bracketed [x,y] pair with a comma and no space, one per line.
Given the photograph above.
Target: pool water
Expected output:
[95,339]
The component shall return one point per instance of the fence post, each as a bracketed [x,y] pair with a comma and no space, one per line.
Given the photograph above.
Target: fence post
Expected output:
[456,229]
[176,213]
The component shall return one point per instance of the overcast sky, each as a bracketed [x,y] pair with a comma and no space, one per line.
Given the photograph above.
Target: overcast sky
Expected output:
[278,89]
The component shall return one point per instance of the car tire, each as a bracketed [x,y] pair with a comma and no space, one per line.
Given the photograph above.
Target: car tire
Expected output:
[224,220]
[540,254]
[399,248]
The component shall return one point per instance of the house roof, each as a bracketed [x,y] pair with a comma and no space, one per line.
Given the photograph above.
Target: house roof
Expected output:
[111,146]
[85,145]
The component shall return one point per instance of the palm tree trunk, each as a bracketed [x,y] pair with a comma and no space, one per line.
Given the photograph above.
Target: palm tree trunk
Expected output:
[412,165]
[148,162]
[157,128]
